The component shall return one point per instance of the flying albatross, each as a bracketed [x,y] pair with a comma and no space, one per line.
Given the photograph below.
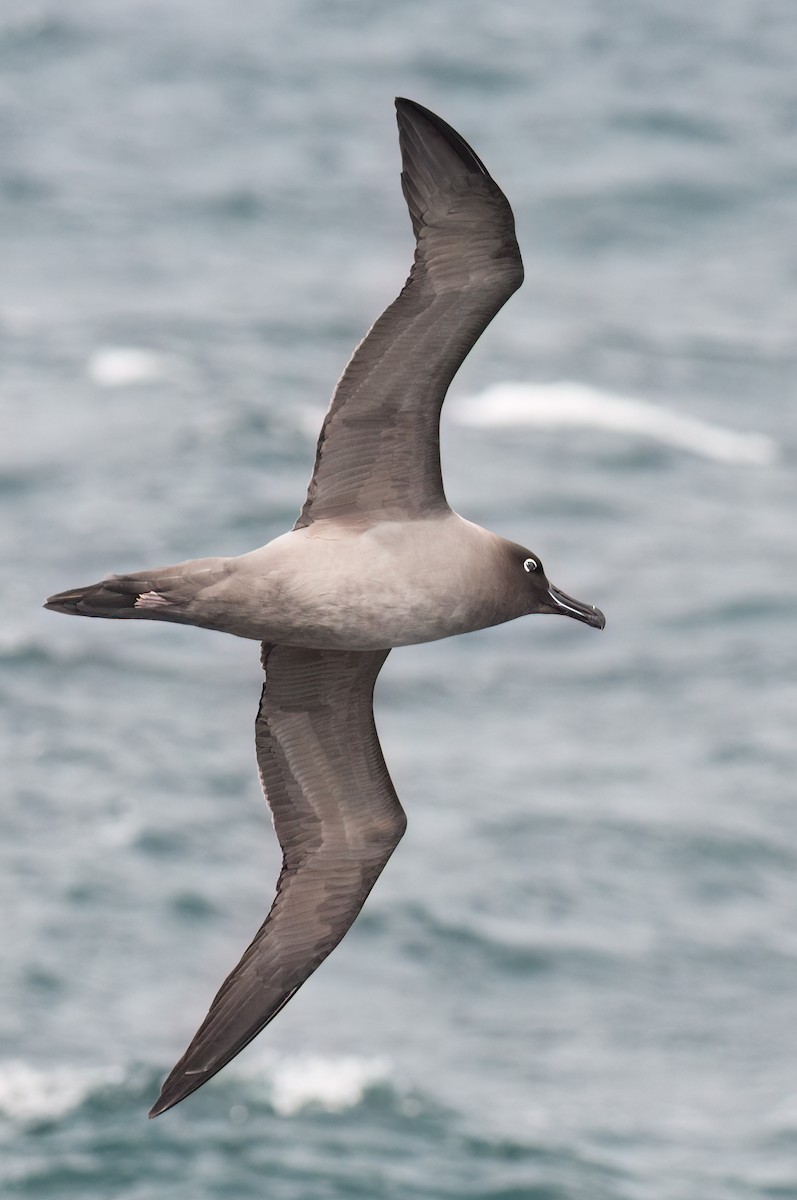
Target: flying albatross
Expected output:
[376,559]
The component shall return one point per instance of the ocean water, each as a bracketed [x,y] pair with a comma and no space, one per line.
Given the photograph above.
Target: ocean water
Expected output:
[577,977]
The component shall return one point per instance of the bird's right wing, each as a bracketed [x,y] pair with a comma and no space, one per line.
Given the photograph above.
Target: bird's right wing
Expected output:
[378,455]
[338,820]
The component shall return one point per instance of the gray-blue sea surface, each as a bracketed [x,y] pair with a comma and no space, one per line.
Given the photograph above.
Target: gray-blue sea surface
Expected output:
[577,978]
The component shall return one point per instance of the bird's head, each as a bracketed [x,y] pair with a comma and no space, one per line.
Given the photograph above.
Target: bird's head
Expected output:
[540,595]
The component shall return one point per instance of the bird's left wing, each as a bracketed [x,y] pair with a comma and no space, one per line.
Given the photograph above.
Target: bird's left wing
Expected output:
[338,820]
[378,456]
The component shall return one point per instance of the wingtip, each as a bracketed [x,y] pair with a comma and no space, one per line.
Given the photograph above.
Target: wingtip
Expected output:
[402,102]
[410,112]
[179,1085]
[164,1102]
[169,1096]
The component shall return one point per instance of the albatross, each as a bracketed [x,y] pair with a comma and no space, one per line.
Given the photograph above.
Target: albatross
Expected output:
[377,559]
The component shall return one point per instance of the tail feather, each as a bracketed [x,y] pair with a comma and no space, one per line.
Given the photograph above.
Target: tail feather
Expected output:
[114,597]
[158,593]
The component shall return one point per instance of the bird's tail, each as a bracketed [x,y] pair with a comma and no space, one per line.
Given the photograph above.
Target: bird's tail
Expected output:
[157,594]
[119,596]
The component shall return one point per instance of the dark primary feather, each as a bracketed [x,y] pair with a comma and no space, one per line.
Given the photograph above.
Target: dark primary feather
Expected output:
[378,454]
[338,820]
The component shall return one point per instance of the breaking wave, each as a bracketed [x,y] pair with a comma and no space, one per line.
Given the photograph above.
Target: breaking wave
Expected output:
[563,404]
[30,1093]
[124,366]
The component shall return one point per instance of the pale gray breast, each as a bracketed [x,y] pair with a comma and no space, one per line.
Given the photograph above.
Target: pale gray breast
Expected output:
[387,584]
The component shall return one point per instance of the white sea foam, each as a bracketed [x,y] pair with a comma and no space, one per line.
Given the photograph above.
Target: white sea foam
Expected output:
[120,366]
[29,1093]
[575,405]
[331,1083]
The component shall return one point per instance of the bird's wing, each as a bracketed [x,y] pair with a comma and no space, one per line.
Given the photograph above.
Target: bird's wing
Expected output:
[378,454]
[338,820]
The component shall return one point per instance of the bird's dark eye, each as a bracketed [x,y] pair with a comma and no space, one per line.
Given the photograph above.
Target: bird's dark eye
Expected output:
[530,564]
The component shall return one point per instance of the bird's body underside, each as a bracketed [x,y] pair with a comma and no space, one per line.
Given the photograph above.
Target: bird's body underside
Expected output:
[326,586]
[377,559]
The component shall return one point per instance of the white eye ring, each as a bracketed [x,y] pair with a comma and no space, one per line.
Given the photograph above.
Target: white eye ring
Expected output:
[530,564]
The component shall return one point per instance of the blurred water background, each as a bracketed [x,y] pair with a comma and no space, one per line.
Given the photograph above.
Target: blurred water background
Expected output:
[577,977]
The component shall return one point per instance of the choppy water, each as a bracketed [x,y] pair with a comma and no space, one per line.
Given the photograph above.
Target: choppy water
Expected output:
[577,977]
